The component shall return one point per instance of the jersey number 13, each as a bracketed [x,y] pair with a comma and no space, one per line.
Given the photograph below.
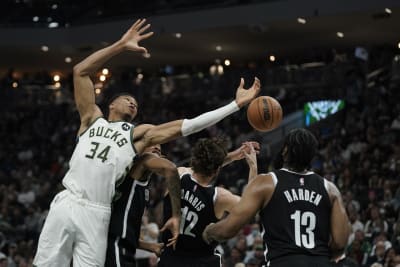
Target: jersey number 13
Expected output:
[308,220]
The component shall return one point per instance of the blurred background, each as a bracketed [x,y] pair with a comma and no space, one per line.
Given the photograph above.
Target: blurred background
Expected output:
[333,65]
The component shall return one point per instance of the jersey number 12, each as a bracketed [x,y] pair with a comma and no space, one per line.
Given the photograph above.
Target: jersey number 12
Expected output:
[192,218]
[308,220]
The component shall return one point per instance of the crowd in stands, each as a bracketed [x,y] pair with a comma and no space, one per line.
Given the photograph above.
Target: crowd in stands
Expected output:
[359,149]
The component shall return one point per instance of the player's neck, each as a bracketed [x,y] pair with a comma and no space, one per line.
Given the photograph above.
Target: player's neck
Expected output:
[201,179]
[116,117]
[295,169]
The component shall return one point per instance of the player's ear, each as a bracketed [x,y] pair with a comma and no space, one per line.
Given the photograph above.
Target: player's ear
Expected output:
[284,151]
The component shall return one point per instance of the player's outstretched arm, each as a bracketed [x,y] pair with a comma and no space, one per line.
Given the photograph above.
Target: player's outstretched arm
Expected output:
[172,130]
[83,86]
[255,196]
[167,169]
[340,225]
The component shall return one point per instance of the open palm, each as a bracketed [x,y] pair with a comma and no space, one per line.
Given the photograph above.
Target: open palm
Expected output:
[244,96]
[135,34]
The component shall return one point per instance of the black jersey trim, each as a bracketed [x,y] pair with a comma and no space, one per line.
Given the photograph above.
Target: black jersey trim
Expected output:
[90,125]
[131,134]
[299,173]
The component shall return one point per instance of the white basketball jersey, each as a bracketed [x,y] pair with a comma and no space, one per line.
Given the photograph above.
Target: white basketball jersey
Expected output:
[102,157]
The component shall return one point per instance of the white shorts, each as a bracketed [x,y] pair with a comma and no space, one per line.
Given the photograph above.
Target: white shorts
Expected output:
[76,229]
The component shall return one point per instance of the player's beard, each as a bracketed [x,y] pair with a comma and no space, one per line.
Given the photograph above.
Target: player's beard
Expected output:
[127,117]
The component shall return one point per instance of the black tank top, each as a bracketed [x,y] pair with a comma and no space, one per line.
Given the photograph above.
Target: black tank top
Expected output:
[197,204]
[297,218]
[127,211]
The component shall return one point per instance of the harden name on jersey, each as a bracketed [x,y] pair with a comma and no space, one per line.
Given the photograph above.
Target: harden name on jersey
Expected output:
[302,194]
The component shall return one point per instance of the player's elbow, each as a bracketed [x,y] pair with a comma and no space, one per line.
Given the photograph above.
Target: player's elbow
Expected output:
[79,70]
[169,171]
[340,239]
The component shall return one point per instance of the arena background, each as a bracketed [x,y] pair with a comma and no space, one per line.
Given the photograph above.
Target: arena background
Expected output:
[345,53]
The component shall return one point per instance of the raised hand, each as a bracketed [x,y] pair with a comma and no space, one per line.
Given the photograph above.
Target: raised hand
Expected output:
[238,153]
[250,154]
[173,225]
[134,35]
[244,96]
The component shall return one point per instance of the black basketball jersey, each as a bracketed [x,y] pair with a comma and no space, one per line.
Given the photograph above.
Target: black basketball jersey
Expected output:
[127,212]
[197,207]
[297,218]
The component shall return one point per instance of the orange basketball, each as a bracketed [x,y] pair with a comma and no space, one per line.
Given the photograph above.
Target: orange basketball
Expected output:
[264,113]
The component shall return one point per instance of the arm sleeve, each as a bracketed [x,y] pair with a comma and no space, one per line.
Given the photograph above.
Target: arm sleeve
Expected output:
[190,126]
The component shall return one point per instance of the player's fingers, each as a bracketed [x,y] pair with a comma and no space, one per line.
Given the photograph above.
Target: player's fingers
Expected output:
[171,242]
[254,144]
[140,24]
[256,84]
[145,36]
[143,29]
[164,228]
[135,24]
[241,83]
[142,49]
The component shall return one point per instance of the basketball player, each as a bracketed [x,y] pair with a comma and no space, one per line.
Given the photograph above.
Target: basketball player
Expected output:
[202,204]
[304,220]
[128,208]
[77,223]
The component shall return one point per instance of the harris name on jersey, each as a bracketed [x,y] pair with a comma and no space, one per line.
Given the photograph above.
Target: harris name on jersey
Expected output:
[194,201]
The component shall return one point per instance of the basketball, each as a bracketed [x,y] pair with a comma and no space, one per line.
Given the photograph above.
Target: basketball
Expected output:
[264,113]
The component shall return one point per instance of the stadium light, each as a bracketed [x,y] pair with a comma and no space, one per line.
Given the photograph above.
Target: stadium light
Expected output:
[272,58]
[301,20]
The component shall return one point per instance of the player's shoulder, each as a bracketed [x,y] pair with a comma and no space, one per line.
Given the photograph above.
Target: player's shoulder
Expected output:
[184,170]
[263,183]
[332,189]
[269,178]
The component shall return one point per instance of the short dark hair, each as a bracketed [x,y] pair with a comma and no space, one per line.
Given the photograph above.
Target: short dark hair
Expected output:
[208,155]
[113,97]
[301,147]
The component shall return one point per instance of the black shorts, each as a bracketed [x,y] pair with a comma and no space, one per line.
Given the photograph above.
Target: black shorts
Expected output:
[301,261]
[118,255]
[197,261]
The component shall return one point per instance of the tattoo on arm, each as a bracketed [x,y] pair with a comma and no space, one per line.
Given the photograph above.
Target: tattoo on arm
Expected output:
[174,187]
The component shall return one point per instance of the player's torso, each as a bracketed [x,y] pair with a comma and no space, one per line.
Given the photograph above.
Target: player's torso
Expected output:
[197,207]
[128,206]
[297,218]
[103,155]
